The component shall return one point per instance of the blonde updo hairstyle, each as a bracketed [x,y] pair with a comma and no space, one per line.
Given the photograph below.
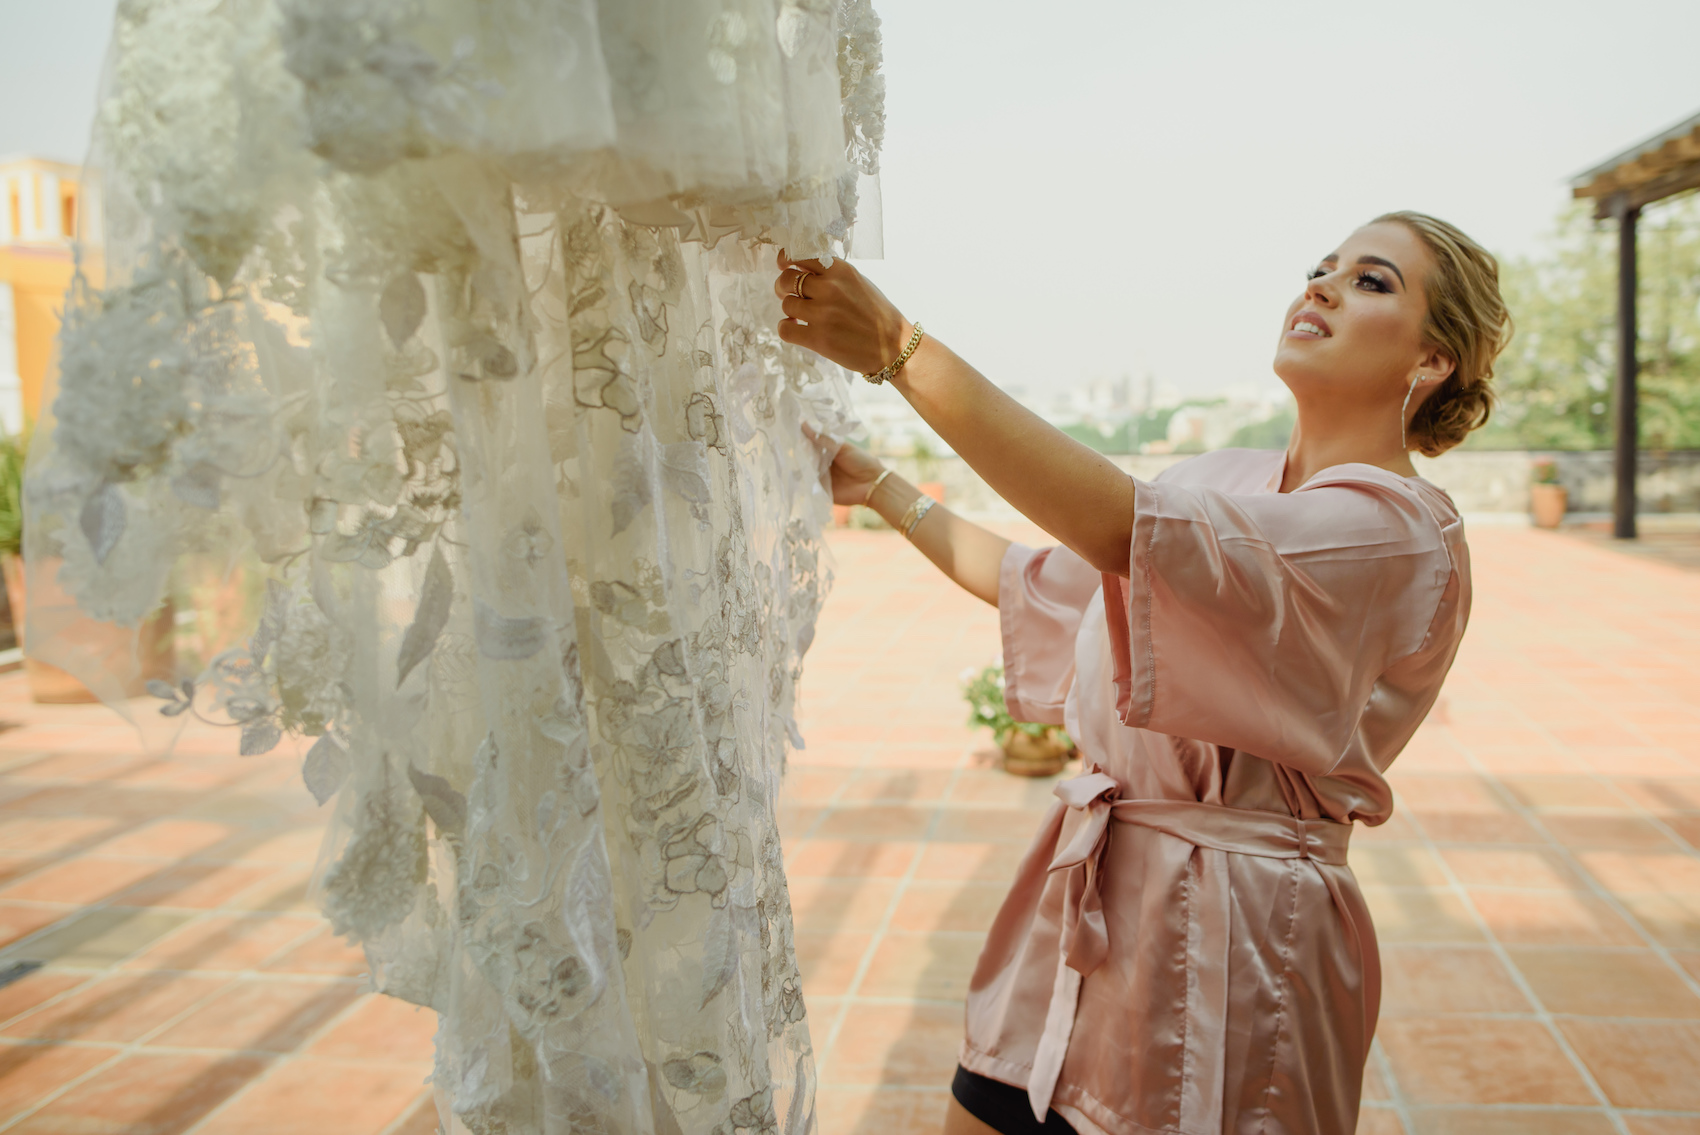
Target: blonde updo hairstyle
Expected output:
[1468,320]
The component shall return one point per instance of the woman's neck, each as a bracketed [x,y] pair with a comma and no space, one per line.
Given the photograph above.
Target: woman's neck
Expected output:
[1314,449]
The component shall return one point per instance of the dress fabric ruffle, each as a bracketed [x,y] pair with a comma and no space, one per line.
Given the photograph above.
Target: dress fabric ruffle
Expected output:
[421,383]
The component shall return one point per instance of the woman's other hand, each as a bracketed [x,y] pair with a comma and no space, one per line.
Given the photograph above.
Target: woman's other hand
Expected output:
[839,315]
[854,469]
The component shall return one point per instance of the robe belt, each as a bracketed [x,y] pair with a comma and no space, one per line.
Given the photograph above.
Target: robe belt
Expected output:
[1217,832]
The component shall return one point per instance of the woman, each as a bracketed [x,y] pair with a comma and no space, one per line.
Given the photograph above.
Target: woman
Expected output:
[1240,648]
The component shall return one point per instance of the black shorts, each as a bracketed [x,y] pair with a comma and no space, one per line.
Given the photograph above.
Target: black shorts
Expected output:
[1002,1107]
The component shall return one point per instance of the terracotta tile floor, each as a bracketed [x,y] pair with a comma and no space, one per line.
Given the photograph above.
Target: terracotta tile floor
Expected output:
[1538,895]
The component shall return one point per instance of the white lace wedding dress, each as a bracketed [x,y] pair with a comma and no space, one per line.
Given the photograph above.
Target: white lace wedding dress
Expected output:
[429,377]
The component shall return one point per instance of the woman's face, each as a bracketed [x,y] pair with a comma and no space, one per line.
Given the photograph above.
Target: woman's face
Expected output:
[1356,332]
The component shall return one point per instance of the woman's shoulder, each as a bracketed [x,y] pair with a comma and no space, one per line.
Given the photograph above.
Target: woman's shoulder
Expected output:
[1435,501]
[1404,510]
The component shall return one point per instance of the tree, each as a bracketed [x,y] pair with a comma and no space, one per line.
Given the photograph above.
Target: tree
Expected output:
[1271,433]
[1555,381]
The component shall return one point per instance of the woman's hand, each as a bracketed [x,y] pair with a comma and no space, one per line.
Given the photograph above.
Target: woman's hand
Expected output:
[840,315]
[1080,497]
[854,469]
[964,551]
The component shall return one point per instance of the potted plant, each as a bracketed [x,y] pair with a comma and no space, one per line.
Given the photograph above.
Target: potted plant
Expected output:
[12,452]
[1548,499]
[1029,749]
[151,643]
[47,683]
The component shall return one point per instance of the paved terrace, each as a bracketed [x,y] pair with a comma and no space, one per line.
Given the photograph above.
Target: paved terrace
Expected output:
[1538,894]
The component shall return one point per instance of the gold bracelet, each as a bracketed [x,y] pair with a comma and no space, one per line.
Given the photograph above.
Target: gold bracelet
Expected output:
[874,488]
[918,508]
[890,372]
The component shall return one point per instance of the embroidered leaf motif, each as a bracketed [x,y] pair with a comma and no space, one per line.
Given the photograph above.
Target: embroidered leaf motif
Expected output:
[796,1122]
[178,700]
[699,1073]
[756,1110]
[198,485]
[666,1123]
[631,490]
[670,658]
[260,735]
[272,621]
[326,768]
[719,953]
[402,308]
[684,471]
[501,637]
[499,362]
[102,520]
[445,806]
[435,599]
[704,423]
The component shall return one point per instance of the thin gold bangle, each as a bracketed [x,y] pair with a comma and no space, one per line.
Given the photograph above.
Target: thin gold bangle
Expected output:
[873,488]
[912,517]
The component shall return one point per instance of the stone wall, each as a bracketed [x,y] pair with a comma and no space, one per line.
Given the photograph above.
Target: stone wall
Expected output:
[1480,481]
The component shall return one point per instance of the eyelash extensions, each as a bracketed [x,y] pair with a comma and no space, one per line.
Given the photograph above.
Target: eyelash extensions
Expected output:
[1374,278]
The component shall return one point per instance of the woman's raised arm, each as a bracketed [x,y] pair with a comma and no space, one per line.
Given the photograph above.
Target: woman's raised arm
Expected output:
[1076,495]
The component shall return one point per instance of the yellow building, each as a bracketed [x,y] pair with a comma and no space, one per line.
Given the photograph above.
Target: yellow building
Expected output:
[39,205]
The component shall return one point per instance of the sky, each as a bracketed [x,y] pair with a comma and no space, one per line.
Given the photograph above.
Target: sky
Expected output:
[1101,188]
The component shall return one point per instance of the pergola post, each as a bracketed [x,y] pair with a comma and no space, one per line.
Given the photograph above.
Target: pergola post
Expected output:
[1657,169]
[1628,367]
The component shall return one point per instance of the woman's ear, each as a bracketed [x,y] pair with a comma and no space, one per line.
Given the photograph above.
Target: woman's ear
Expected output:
[1437,362]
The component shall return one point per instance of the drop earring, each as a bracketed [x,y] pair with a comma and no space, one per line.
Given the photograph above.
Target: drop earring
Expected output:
[1403,445]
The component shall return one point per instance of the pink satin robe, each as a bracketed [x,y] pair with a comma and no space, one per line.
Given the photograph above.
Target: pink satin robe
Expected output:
[1184,948]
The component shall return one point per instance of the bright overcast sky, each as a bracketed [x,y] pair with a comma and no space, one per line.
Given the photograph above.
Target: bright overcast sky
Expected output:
[1083,190]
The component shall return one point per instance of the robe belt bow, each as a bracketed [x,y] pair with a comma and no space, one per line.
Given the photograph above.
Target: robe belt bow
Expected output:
[1216,832]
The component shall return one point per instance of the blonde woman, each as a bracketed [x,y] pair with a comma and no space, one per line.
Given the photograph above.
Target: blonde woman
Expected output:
[1240,648]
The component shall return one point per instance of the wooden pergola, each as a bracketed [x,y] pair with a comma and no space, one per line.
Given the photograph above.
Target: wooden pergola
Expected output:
[1661,167]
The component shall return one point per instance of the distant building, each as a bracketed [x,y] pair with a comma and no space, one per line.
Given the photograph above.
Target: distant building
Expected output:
[39,205]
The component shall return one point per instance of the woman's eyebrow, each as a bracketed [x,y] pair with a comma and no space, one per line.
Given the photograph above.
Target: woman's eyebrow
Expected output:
[1384,264]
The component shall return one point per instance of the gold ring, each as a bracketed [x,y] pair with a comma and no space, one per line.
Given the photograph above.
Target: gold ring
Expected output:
[797,288]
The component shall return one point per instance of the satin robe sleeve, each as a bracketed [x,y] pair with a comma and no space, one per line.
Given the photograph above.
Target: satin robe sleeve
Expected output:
[1042,599]
[1263,622]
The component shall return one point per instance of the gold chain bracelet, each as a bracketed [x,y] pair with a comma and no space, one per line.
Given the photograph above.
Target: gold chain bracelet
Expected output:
[890,372]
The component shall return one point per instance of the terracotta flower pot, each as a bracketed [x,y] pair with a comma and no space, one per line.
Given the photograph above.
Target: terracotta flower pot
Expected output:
[1548,502]
[1027,755]
[934,489]
[841,515]
[51,685]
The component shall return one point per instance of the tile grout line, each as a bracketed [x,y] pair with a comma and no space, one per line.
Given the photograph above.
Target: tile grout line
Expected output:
[849,997]
[1504,956]
[283,1060]
[851,994]
[19,948]
[1401,1106]
[128,1049]
[824,1048]
[1600,891]
[115,968]
[395,1125]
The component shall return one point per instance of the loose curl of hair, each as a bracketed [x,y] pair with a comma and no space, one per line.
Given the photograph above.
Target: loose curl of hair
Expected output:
[1468,320]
